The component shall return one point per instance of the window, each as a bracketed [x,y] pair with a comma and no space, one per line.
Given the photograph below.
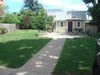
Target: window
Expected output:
[79,24]
[62,24]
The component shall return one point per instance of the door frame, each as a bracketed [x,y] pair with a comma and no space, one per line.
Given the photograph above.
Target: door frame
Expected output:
[71,26]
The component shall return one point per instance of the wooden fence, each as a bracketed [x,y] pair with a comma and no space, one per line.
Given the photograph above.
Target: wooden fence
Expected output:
[92,29]
[10,27]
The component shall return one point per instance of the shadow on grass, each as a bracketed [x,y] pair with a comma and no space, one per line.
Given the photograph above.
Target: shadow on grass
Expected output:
[14,54]
[77,57]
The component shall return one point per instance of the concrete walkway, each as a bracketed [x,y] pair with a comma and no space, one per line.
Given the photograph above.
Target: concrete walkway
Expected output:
[61,35]
[42,63]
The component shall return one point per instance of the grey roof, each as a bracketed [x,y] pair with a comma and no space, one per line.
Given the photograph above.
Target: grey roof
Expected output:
[69,15]
[78,14]
[53,10]
[60,16]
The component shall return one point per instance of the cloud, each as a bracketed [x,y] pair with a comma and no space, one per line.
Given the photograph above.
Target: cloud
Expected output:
[64,4]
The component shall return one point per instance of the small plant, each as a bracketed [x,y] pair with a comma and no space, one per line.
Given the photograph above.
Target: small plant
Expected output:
[79,30]
[49,31]
[36,35]
[88,32]
[3,30]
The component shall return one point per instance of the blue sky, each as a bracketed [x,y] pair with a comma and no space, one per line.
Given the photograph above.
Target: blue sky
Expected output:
[16,5]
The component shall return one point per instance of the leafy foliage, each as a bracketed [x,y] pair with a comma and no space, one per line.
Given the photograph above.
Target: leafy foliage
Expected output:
[33,5]
[3,30]
[50,22]
[31,16]
[94,11]
[1,10]
[10,18]
[89,1]
[30,20]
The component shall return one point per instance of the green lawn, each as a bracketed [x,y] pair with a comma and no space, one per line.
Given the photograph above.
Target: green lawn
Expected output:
[77,57]
[18,47]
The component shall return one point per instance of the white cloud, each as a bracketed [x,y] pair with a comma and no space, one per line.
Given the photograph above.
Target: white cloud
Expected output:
[62,4]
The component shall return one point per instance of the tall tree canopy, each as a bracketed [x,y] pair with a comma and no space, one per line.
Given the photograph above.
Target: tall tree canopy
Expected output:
[34,16]
[92,1]
[89,1]
[94,12]
[33,5]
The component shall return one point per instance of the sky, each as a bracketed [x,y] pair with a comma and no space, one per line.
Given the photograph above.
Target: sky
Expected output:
[16,5]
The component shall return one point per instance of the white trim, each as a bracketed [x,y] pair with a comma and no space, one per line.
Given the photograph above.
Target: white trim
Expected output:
[67,26]
[84,26]
[56,26]
[73,26]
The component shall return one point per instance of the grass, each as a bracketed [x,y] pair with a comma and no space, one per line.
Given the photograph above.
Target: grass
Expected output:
[18,47]
[94,35]
[77,57]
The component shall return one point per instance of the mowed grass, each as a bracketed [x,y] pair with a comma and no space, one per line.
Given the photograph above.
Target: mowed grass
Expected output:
[77,57]
[18,47]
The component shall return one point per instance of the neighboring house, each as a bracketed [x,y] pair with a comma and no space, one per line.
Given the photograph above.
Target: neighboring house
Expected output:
[2,2]
[69,21]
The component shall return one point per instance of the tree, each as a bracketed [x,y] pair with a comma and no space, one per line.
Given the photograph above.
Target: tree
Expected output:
[3,9]
[94,11]
[50,22]
[39,21]
[92,1]
[26,21]
[33,5]
[89,1]
[10,18]
[34,14]
[26,12]
[29,19]
[24,17]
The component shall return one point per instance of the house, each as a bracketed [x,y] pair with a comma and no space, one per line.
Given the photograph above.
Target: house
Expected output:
[70,21]
[2,2]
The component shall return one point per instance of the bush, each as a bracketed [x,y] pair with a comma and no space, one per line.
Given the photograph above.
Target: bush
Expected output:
[10,18]
[3,30]
[88,31]
[79,30]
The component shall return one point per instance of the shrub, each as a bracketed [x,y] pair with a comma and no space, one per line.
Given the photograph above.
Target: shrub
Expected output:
[79,30]
[88,31]
[10,18]
[3,30]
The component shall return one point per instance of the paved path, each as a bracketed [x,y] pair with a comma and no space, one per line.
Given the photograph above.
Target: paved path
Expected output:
[60,35]
[42,63]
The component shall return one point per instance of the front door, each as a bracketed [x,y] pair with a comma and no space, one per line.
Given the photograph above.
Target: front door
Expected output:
[70,26]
